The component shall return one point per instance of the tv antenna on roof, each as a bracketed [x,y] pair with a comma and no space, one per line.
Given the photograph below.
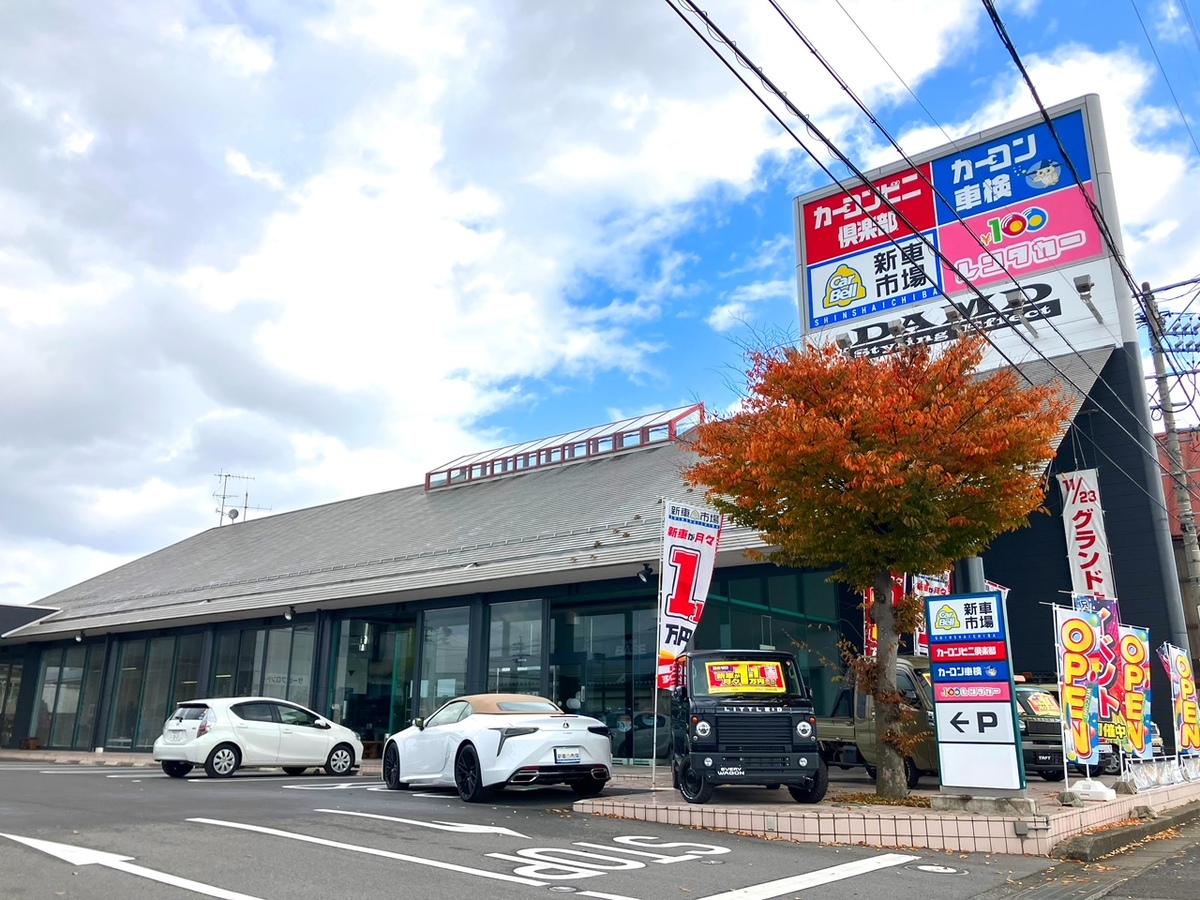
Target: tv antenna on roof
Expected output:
[222,494]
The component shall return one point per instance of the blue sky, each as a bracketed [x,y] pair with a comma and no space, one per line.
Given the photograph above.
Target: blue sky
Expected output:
[332,245]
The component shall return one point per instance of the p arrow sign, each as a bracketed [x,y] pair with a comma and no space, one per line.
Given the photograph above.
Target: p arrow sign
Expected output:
[958,721]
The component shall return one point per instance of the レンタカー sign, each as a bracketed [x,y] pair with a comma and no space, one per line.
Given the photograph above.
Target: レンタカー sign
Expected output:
[974,700]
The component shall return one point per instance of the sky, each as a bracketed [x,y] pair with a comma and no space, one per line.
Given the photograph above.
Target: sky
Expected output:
[329,246]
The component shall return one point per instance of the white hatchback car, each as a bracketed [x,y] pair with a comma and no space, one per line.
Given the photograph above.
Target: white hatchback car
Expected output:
[486,741]
[230,733]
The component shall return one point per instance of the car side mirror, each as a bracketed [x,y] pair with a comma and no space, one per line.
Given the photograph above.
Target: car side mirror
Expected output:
[321,723]
[420,723]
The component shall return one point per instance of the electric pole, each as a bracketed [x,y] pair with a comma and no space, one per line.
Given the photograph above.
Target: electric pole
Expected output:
[1183,497]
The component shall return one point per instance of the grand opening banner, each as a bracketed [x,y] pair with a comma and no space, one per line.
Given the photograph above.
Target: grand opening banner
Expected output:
[691,535]
[1004,210]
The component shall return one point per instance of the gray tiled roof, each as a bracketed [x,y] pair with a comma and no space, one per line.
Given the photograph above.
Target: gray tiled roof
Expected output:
[582,521]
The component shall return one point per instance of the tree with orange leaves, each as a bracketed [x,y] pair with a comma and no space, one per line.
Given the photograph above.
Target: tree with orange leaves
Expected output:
[903,463]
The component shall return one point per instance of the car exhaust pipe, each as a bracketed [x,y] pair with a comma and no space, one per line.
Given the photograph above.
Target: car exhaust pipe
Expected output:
[600,773]
[524,776]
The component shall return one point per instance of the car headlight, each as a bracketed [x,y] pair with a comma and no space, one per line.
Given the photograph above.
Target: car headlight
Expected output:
[703,729]
[804,729]
[357,736]
[1024,728]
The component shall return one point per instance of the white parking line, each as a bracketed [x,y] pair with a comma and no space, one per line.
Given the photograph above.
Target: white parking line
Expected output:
[372,851]
[769,889]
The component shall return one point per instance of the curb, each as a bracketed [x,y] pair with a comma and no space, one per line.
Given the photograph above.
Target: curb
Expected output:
[1091,847]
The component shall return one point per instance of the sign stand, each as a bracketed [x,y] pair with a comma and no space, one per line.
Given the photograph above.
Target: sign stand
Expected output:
[975,703]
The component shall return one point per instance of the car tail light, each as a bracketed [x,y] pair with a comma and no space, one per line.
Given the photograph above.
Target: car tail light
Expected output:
[206,722]
[506,733]
[600,729]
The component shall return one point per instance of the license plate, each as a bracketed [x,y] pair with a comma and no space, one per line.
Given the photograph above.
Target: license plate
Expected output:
[176,737]
[566,755]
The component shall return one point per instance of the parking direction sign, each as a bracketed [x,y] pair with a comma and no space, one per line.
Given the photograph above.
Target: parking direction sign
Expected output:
[973,693]
[982,723]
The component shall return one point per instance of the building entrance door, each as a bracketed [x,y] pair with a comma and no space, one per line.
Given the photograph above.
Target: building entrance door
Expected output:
[373,678]
[602,664]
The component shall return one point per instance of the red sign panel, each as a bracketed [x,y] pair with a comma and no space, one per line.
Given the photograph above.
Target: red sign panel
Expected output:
[984,650]
[857,220]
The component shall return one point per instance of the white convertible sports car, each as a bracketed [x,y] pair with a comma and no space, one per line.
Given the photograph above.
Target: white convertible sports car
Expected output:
[485,741]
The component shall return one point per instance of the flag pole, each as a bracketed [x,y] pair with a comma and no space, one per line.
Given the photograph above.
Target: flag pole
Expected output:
[658,601]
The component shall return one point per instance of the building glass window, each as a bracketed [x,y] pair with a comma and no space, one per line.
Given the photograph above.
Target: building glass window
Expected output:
[156,693]
[10,690]
[93,685]
[66,701]
[127,694]
[602,663]
[278,655]
[372,684]
[248,681]
[443,657]
[187,670]
[515,647]
[300,668]
[225,665]
[47,691]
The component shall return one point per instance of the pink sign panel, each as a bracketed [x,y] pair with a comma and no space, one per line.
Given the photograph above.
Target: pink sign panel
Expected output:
[1046,232]
[969,692]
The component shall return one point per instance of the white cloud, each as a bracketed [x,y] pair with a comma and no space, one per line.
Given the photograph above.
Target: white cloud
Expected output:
[239,164]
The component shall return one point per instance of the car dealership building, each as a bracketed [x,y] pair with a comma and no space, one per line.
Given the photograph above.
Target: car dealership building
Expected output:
[534,568]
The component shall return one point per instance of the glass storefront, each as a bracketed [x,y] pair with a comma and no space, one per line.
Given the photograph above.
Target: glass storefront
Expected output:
[10,690]
[444,657]
[515,647]
[602,662]
[373,678]
[265,662]
[68,692]
[148,672]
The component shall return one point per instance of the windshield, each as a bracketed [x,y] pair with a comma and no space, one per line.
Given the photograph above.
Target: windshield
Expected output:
[744,675]
[1037,702]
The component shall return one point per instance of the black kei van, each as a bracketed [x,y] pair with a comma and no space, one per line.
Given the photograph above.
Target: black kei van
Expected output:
[743,717]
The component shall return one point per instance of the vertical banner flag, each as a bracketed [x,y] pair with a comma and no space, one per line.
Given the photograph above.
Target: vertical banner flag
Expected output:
[691,533]
[928,586]
[870,629]
[1076,635]
[1106,665]
[1183,699]
[1087,542]
[1134,691]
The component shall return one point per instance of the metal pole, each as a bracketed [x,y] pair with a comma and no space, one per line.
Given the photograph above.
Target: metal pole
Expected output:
[1183,499]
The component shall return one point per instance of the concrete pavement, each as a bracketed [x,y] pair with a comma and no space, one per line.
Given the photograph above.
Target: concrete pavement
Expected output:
[842,818]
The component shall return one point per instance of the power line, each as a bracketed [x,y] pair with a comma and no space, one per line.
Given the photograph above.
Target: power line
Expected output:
[1166,78]
[745,62]
[849,91]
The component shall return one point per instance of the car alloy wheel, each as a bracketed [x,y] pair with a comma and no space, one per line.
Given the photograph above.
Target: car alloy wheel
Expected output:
[467,777]
[391,769]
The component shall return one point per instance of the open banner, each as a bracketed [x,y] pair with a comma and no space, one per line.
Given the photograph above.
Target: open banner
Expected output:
[691,535]
[1183,699]
[1076,639]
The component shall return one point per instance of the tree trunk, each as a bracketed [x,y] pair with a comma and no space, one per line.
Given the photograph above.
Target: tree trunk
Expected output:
[890,781]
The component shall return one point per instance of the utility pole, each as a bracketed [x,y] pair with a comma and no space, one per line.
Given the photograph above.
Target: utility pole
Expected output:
[1183,497]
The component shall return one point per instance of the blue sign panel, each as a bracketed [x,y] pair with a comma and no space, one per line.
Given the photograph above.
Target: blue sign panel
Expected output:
[1020,166]
[994,670]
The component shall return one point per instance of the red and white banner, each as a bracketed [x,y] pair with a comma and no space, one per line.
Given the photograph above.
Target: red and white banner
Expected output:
[928,586]
[1087,542]
[691,534]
